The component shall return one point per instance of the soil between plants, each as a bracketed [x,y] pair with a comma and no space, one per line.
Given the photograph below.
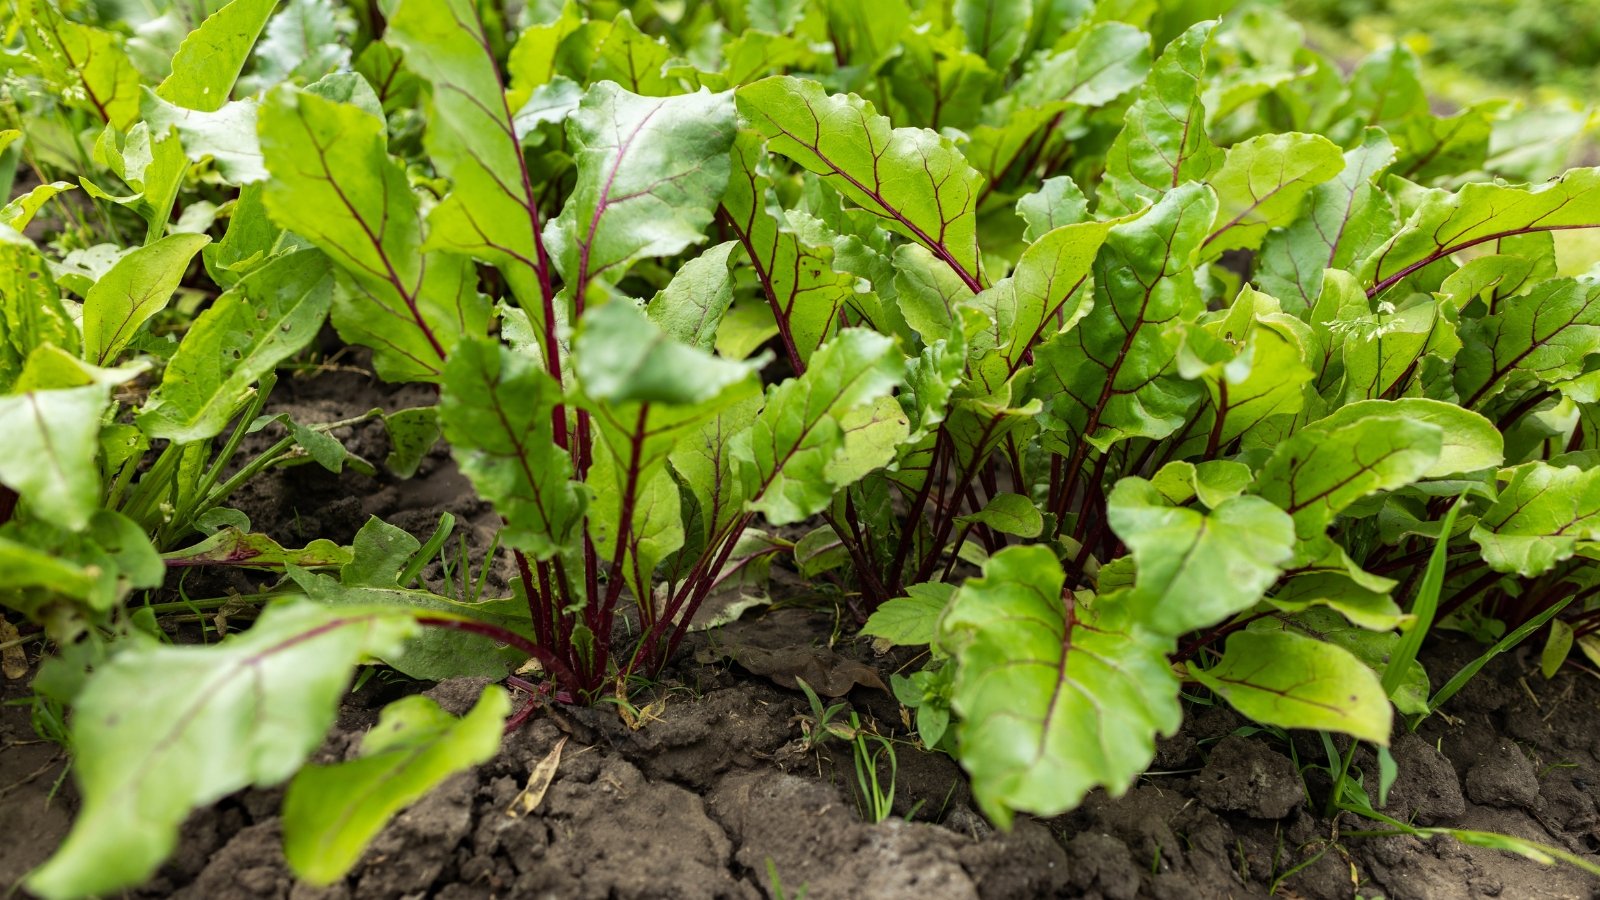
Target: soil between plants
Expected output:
[709,788]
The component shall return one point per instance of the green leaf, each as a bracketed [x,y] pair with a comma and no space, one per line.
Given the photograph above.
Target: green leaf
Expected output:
[801,285]
[1261,184]
[996,29]
[1057,696]
[232,547]
[334,183]
[332,812]
[48,455]
[911,177]
[1320,470]
[912,620]
[211,57]
[1113,376]
[1283,679]
[1542,337]
[1196,569]
[1539,518]
[412,433]
[1058,201]
[1008,514]
[227,136]
[784,457]
[21,210]
[266,318]
[1381,651]
[85,67]
[1446,223]
[136,288]
[1047,293]
[1556,648]
[492,210]
[1109,60]
[214,719]
[1469,442]
[690,308]
[1254,362]
[1164,143]
[1363,607]
[1211,482]
[1343,221]
[495,409]
[650,174]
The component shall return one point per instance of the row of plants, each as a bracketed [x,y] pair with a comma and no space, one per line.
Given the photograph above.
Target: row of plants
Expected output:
[1099,350]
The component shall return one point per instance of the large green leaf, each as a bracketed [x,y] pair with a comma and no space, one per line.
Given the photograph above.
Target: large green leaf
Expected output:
[799,280]
[1539,338]
[1446,223]
[1058,694]
[1047,293]
[1539,518]
[995,29]
[495,408]
[913,178]
[334,183]
[85,67]
[1254,361]
[266,318]
[1195,568]
[492,210]
[651,171]
[48,455]
[1469,442]
[1284,679]
[1113,376]
[210,720]
[1343,221]
[784,459]
[1164,142]
[136,288]
[332,812]
[211,57]
[1261,184]
[1321,470]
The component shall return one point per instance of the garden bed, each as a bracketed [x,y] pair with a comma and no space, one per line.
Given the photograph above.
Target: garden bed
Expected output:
[711,779]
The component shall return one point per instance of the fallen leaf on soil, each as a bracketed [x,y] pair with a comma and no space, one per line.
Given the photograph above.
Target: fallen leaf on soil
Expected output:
[539,782]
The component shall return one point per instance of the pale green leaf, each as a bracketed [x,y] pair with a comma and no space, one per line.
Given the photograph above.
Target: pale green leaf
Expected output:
[1283,679]
[136,288]
[332,812]
[247,711]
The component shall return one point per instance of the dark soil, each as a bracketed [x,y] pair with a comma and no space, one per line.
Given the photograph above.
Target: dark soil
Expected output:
[709,788]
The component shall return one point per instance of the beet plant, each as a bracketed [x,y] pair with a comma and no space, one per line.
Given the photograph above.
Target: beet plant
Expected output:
[1099,350]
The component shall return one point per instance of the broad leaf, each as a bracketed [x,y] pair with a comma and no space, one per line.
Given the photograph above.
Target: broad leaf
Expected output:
[247,711]
[650,173]
[1196,569]
[783,460]
[1164,143]
[48,455]
[495,408]
[1540,338]
[1113,376]
[334,183]
[1058,694]
[1261,184]
[1446,223]
[1284,679]
[1539,518]
[913,178]
[211,57]
[136,288]
[1343,221]
[266,318]
[912,620]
